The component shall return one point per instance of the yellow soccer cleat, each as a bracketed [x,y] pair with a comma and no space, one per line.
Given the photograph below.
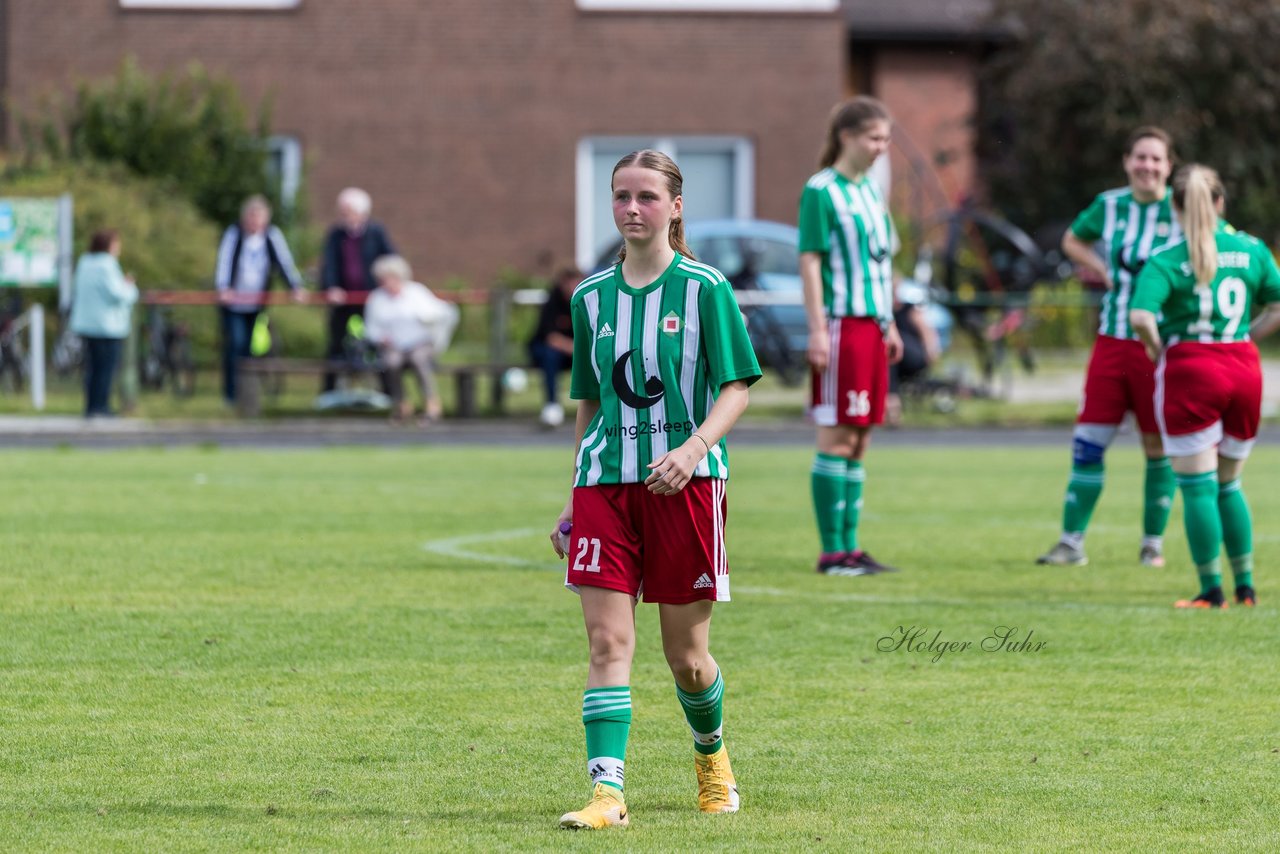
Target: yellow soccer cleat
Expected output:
[605,809]
[717,790]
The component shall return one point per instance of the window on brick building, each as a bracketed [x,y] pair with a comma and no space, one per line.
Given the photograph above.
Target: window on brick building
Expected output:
[234,5]
[709,5]
[719,183]
[284,166]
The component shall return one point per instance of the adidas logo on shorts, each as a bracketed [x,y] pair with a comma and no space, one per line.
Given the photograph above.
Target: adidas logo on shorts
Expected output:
[704,580]
[606,331]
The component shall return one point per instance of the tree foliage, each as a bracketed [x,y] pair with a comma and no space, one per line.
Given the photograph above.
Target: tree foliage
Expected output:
[191,129]
[1061,97]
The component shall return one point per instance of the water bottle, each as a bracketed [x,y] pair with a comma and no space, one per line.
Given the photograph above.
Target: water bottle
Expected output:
[565,528]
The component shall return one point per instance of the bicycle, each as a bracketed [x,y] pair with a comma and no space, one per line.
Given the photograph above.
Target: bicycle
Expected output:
[13,354]
[166,357]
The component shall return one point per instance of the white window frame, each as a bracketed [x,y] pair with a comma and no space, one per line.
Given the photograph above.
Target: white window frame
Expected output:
[216,5]
[708,5]
[744,177]
[290,150]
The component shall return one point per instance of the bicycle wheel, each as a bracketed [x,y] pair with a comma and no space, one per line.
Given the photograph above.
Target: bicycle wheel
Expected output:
[182,368]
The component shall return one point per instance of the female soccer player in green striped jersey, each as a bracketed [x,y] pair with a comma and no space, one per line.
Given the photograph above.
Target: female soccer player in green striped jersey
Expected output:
[661,366]
[1192,310]
[1113,238]
[846,244]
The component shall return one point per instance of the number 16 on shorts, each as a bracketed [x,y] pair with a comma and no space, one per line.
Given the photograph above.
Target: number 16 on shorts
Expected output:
[859,404]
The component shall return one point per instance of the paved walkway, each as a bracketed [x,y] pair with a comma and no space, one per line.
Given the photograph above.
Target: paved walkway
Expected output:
[33,431]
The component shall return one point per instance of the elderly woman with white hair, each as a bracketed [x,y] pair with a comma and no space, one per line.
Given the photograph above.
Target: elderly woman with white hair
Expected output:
[352,245]
[410,327]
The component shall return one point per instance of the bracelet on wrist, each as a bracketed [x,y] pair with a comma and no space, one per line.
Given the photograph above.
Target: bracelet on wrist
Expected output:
[703,441]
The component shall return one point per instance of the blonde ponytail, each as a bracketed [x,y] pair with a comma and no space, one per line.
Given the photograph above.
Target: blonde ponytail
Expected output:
[1197,190]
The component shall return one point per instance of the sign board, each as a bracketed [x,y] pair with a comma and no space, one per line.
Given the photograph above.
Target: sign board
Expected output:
[29,242]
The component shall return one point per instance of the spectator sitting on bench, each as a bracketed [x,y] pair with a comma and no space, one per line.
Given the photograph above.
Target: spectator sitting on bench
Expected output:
[551,348]
[410,326]
[920,345]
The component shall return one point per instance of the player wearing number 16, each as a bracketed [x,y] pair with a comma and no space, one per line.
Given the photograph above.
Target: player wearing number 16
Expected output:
[846,244]
[661,366]
[1192,310]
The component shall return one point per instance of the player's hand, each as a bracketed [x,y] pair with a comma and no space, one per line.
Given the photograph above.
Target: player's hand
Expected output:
[819,352]
[1153,352]
[226,297]
[893,344]
[559,541]
[299,295]
[336,296]
[672,471]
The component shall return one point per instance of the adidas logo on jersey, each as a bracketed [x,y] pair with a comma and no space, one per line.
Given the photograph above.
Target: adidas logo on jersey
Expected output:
[704,580]
[606,331]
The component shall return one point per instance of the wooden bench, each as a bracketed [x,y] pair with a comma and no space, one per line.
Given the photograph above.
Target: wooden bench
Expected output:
[253,372]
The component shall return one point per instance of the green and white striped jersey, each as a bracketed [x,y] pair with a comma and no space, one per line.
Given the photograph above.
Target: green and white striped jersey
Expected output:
[1216,312]
[655,357]
[1128,232]
[848,224]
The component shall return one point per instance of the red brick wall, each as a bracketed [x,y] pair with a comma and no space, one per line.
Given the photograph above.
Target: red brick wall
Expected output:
[461,117]
[932,93]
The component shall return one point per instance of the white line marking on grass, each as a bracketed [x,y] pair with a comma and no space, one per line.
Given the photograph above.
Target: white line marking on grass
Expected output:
[457,547]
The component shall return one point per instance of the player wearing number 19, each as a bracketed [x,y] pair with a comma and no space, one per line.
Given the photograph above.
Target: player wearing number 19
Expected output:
[1192,311]
[846,240]
[661,366]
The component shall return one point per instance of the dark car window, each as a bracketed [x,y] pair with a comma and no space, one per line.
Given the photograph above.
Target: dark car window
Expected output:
[723,253]
[774,256]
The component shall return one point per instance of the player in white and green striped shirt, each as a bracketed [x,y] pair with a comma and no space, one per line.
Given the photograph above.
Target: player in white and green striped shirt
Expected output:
[846,247]
[661,366]
[1113,238]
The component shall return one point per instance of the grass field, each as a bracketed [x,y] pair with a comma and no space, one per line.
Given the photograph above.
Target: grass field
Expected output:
[371,650]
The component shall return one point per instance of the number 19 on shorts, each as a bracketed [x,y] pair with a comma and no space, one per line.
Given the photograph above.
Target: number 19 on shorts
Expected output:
[587,545]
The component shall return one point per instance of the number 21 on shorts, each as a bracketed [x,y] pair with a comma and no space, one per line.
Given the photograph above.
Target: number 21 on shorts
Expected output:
[859,404]
[585,545]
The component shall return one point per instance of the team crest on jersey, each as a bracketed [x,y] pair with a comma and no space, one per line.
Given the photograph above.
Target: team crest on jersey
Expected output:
[671,323]
[1162,229]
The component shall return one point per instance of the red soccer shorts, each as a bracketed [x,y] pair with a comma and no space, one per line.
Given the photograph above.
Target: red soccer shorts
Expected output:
[852,388]
[1120,379]
[1209,395]
[670,548]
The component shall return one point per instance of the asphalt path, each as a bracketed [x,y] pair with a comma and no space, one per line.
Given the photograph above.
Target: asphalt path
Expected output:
[17,432]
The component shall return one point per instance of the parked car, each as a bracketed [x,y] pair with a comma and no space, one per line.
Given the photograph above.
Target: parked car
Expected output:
[762,257]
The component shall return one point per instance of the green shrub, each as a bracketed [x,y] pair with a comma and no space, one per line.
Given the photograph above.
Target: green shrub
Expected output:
[192,128]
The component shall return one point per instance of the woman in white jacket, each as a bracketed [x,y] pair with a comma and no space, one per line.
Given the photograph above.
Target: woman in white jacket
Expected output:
[410,327]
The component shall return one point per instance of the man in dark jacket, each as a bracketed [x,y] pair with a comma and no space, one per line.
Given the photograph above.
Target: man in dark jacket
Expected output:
[350,248]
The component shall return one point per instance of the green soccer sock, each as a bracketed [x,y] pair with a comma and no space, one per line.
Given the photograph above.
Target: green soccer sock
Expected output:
[1157,497]
[705,713]
[1204,526]
[854,478]
[1083,490]
[829,504]
[606,714]
[1237,530]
